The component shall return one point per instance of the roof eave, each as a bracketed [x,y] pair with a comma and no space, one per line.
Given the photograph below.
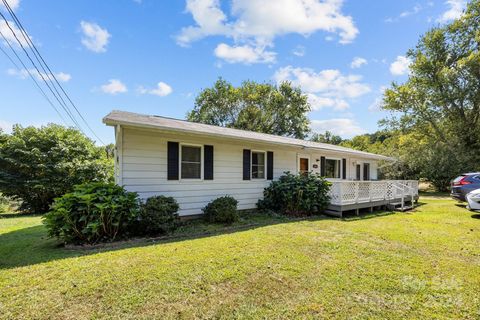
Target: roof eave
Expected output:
[113,122]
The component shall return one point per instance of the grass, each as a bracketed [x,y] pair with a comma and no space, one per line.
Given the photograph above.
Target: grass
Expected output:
[421,264]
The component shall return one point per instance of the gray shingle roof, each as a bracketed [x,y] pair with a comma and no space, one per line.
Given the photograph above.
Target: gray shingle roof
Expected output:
[149,121]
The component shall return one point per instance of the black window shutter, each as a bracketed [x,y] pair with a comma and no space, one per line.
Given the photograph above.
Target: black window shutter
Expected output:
[323,163]
[208,162]
[172,161]
[344,168]
[246,164]
[366,171]
[269,165]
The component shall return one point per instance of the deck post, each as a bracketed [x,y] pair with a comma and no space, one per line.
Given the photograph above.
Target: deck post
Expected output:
[357,186]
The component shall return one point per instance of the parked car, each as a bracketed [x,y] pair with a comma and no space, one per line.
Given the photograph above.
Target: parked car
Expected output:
[473,199]
[464,184]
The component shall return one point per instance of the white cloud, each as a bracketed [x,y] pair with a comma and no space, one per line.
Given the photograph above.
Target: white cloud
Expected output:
[161,90]
[10,37]
[455,10]
[258,22]
[344,127]
[263,20]
[95,37]
[244,54]
[23,74]
[326,88]
[376,105]
[415,10]
[114,86]
[357,62]
[6,126]
[299,51]
[14,4]
[400,66]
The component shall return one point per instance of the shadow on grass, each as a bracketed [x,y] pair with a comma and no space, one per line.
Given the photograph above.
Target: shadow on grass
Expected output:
[439,194]
[366,214]
[31,245]
[17,215]
[476,216]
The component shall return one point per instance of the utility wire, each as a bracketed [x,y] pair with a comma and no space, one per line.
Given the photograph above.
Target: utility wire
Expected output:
[38,55]
[30,74]
[42,75]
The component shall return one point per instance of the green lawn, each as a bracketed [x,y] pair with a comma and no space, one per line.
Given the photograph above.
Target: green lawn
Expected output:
[421,264]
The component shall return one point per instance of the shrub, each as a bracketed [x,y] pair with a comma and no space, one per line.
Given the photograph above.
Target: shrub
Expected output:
[302,194]
[40,164]
[7,204]
[223,210]
[93,212]
[158,215]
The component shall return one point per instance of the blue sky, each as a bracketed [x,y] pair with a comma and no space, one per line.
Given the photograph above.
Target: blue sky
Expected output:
[154,57]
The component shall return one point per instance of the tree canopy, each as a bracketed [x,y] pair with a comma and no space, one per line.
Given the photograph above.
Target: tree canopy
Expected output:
[262,107]
[327,137]
[440,101]
[39,164]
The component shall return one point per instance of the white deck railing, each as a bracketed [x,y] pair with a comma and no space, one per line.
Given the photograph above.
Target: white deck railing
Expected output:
[344,192]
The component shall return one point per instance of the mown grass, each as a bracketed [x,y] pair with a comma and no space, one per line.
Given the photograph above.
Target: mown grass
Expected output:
[421,264]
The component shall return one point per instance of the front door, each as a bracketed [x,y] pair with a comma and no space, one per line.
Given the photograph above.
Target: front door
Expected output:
[303,163]
[358,169]
[366,171]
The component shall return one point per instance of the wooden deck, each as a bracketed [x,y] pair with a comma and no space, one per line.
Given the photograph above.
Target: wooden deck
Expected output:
[356,195]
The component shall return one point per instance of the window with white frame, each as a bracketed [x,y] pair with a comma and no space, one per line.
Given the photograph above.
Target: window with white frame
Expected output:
[332,168]
[258,165]
[191,162]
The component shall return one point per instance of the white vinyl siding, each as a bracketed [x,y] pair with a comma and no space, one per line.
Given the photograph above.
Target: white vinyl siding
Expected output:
[144,169]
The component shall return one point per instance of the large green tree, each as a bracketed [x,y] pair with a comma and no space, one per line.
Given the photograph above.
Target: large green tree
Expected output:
[327,137]
[440,101]
[39,164]
[262,107]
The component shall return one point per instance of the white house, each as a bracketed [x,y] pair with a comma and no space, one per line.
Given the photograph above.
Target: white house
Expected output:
[196,163]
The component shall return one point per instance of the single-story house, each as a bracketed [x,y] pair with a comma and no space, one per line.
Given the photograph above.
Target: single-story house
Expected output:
[196,163]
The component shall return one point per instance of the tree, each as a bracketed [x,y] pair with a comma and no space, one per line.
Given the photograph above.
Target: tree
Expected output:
[440,101]
[402,147]
[39,164]
[261,107]
[326,137]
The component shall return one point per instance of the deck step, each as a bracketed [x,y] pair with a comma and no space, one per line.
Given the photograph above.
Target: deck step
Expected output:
[405,208]
[397,206]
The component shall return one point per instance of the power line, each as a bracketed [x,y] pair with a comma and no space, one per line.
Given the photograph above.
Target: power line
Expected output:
[36,52]
[41,75]
[30,74]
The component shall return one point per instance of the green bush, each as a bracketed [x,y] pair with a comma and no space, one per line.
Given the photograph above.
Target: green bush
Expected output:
[223,210]
[158,215]
[302,194]
[7,204]
[38,165]
[92,213]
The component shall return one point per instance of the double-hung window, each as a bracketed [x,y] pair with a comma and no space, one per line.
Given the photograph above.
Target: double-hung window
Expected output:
[258,165]
[191,162]
[332,168]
